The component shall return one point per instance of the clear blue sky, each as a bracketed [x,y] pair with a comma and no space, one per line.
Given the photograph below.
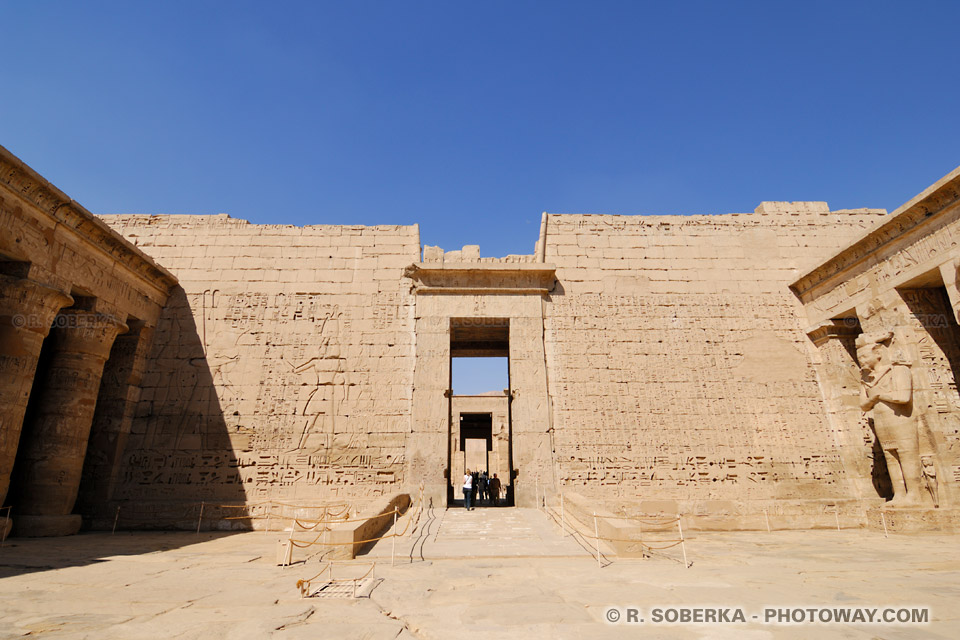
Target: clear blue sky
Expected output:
[473,117]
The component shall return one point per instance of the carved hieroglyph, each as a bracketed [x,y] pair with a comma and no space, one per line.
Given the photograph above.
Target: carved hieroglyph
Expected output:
[281,370]
[679,373]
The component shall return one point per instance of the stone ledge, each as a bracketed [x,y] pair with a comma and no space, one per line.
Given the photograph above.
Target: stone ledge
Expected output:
[372,523]
[617,535]
[913,520]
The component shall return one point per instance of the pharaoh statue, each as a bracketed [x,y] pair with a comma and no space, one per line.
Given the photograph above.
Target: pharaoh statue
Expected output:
[886,389]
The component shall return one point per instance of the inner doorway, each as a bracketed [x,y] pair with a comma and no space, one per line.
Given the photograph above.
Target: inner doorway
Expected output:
[476,441]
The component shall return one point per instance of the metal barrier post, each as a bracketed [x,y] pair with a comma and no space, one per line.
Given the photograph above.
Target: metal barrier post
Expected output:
[884,521]
[563,522]
[683,547]
[200,519]
[596,532]
[393,548]
[767,518]
[116,519]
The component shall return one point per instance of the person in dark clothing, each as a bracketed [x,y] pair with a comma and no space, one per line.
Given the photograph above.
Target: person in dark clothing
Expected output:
[476,482]
[494,490]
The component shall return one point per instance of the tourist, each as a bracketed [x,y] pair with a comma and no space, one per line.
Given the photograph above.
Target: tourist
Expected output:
[494,490]
[482,487]
[468,490]
[476,486]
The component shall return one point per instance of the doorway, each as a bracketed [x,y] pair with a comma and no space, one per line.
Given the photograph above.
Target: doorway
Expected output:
[476,441]
[480,430]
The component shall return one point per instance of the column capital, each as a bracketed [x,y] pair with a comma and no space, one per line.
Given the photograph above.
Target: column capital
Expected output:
[848,328]
[29,305]
[87,332]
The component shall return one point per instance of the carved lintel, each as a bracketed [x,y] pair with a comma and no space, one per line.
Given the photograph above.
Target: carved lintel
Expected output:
[471,278]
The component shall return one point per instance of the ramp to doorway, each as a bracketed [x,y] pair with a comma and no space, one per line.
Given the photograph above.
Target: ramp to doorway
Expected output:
[482,533]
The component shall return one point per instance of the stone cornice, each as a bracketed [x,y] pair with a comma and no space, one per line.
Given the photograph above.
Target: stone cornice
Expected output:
[34,189]
[482,278]
[911,219]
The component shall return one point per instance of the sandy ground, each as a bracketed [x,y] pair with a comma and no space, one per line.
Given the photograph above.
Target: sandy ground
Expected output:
[488,573]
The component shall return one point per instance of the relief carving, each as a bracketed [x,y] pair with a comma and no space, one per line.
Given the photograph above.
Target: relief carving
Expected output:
[887,392]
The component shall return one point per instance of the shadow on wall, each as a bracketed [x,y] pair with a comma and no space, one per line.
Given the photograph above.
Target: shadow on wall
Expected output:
[880,476]
[178,457]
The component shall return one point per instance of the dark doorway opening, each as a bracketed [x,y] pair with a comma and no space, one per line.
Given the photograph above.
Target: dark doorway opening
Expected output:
[476,440]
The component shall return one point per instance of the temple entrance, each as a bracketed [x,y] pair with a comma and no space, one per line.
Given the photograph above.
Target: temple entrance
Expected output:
[481,311]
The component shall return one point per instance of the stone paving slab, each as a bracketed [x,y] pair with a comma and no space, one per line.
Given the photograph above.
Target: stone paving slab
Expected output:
[181,585]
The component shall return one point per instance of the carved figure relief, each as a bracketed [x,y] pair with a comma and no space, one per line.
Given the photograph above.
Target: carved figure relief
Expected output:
[887,391]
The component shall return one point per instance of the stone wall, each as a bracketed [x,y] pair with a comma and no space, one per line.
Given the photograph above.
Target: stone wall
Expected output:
[679,370]
[282,367]
[676,368]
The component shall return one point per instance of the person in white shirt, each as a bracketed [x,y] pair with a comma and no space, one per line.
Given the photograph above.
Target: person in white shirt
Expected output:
[468,490]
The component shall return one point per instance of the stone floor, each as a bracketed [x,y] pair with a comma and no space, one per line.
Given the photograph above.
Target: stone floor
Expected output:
[488,573]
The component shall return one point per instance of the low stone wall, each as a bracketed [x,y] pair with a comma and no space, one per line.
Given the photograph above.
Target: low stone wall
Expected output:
[372,523]
[613,534]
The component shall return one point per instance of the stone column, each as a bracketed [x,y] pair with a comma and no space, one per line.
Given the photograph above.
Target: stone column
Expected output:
[55,441]
[116,404]
[839,376]
[26,311]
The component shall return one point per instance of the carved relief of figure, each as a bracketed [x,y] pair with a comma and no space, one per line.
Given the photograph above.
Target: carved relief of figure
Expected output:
[887,390]
[930,478]
[326,379]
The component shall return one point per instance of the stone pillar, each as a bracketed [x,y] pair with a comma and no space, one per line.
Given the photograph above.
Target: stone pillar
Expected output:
[839,376]
[116,404]
[55,441]
[27,310]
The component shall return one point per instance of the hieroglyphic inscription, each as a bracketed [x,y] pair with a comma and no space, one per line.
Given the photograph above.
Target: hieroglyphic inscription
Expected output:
[286,388]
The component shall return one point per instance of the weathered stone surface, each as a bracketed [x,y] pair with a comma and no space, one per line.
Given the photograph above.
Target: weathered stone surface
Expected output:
[26,311]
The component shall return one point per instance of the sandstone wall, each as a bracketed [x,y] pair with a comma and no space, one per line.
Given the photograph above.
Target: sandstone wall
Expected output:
[678,367]
[282,367]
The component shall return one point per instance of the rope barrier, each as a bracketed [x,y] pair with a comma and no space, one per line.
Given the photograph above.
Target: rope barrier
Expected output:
[303,544]
[597,537]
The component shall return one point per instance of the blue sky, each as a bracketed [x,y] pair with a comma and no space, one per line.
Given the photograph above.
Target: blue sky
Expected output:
[472,118]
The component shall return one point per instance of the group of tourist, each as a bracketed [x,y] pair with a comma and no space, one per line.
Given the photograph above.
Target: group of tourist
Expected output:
[478,487]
